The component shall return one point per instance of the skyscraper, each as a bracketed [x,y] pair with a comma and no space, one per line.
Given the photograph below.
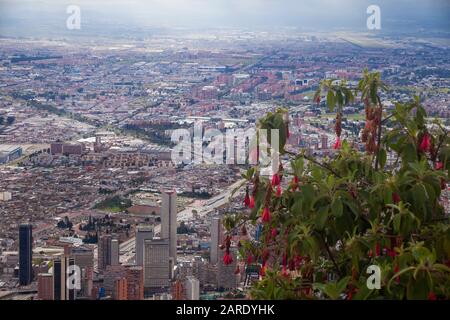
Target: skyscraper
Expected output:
[216,238]
[192,286]
[61,273]
[142,233]
[169,221]
[156,263]
[135,283]
[114,252]
[45,286]
[108,251]
[25,254]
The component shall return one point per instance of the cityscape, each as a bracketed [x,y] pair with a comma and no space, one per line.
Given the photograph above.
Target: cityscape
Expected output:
[94,207]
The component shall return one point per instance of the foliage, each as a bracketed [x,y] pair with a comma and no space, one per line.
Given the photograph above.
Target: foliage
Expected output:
[335,217]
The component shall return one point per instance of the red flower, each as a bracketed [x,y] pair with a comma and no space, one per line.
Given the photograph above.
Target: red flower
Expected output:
[439,165]
[237,270]
[298,261]
[425,143]
[227,259]
[274,232]
[337,144]
[391,253]
[275,180]
[396,198]
[284,272]
[370,253]
[251,205]
[432,296]
[262,272]
[266,215]
[249,259]
[247,200]
[378,249]
[278,194]
[294,183]
[317,99]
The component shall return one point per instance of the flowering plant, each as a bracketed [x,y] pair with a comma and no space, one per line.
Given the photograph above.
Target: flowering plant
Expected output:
[321,223]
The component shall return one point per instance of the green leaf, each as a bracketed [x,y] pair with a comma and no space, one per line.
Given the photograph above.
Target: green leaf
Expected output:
[331,102]
[336,207]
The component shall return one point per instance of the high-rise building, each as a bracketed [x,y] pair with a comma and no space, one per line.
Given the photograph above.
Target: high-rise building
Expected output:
[192,286]
[61,273]
[324,139]
[110,275]
[216,238]
[84,259]
[25,254]
[142,233]
[45,286]
[135,283]
[115,252]
[178,292]
[169,221]
[121,289]
[108,251]
[156,263]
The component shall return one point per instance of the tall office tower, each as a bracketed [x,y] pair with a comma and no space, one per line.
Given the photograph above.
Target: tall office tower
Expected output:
[169,221]
[25,254]
[45,286]
[121,289]
[216,239]
[84,258]
[178,292]
[115,252]
[324,139]
[135,283]
[142,233]
[108,251]
[110,275]
[61,274]
[156,263]
[192,286]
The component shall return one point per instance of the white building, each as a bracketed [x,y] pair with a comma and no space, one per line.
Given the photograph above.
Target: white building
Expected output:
[192,286]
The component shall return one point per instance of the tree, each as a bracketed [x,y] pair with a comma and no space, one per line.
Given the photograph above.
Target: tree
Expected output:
[338,216]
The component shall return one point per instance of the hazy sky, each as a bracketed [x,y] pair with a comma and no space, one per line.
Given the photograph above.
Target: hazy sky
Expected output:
[308,14]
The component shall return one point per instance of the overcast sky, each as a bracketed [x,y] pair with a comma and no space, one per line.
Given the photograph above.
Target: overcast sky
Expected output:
[307,14]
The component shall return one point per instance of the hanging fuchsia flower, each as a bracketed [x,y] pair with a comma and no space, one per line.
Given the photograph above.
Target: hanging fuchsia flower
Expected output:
[262,272]
[337,144]
[227,259]
[425,143]
[274,233]
[396,197]
[247,200]
[378,249]
[266,215]
[275,180]
[251,205]
[278,194]
[284,272]
[439,165]
[237,270]
[249,259]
